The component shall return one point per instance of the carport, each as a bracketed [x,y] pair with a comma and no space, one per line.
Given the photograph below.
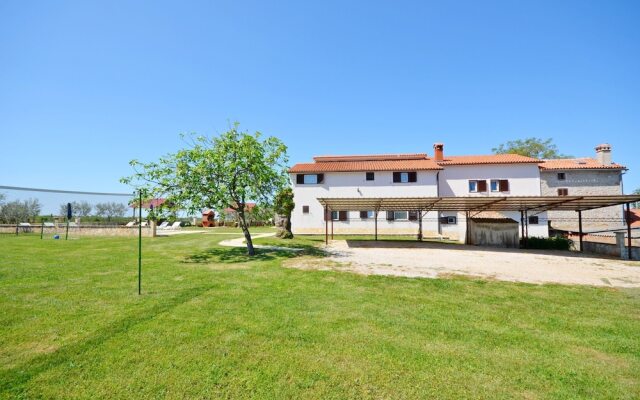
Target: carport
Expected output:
[472,206]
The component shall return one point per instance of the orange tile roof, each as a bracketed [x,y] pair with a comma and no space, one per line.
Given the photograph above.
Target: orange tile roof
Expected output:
[577,163]
[372,157]
[635,217]
[488,159]
[360,166]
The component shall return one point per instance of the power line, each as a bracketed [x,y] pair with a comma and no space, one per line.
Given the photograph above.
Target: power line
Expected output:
[65,191]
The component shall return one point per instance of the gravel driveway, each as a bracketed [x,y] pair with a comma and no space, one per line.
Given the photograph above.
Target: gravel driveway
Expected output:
[429,260]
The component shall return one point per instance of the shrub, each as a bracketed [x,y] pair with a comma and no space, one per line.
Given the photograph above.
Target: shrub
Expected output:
[550,243]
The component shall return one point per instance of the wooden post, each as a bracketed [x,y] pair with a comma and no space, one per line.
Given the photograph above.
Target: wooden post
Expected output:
[420,225]
[376,225]
[580,229]
[331,216]
[522,227]
[326,226]
[628,231]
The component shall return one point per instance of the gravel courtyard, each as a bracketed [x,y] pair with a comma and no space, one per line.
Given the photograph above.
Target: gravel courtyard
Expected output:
[429,260]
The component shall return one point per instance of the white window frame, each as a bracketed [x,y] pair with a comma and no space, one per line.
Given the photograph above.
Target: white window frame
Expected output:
[452,220]
[475,186]
[395,216]
[497,183]
[315,179]
[404,177]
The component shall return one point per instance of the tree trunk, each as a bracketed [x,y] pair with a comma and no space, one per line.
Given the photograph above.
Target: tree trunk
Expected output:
[247,234]
[284,227]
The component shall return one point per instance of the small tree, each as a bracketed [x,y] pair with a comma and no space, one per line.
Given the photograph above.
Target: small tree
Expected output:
[215,173]
[530,147]
[283,206]
[20,211]
[78,209]
[637,203]
[110,210]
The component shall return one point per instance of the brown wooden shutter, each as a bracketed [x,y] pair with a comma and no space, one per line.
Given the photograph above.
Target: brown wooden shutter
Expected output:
[364,214]
[413,215]
[305,209]
[390,216]
[342,216]
[320,178]
[444,220]
[413,176]
[482,186]
[396,177]
[300,179]
[504,185]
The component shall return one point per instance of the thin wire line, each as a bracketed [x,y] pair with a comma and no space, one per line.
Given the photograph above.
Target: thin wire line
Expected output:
[65,191]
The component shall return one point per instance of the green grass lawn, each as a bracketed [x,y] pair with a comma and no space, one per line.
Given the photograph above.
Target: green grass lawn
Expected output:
[214,323]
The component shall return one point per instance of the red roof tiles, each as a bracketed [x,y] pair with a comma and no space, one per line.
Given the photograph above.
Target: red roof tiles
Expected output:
[577,163]
[488,159]
[360,166]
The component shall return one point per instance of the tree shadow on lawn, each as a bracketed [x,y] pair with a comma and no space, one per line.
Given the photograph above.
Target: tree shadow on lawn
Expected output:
[13,380]
[231,255]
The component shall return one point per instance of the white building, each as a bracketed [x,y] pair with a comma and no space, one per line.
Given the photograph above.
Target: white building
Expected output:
[409,175]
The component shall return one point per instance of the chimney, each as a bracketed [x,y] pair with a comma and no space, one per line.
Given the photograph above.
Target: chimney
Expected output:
[438,151]
[603,153]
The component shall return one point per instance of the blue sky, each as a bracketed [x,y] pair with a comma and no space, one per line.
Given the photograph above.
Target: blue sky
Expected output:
[87,86]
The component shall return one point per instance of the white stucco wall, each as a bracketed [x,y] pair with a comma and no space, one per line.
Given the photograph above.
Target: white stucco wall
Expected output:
[354,184]
[524,180]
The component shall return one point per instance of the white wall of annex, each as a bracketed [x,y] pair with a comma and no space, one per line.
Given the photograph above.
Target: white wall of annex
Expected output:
[524,179]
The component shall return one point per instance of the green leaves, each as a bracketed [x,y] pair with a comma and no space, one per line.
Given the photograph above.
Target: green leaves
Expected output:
[530,147]
[225,171]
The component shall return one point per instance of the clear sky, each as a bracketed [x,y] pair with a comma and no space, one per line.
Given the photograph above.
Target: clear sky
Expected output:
[86,86]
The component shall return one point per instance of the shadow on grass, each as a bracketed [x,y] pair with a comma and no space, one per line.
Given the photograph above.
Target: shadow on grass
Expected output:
[12,381]
[230,255]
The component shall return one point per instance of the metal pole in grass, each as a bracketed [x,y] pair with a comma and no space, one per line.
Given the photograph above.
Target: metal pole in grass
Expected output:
[41,228]
[66,236]
[140,242]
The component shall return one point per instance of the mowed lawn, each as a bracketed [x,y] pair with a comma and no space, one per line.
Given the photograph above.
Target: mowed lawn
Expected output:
[214,323]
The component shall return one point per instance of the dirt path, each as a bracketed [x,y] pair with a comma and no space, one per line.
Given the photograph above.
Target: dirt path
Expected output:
[431,260]
[240,242]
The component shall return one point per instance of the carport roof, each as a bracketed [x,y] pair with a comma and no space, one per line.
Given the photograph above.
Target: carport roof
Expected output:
[476,203]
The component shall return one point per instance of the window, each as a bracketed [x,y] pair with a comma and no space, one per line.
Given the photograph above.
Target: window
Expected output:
[309,179]
[305,209]
[533,220]
[563,192]
[477,186]
[397,215]
[370,176]
[339,215]
[499,185]
[367,214]
[413,215]
[561,176]
[449,220]
[405,177]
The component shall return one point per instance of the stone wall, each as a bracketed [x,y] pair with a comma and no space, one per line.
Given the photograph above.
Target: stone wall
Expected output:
[588,183]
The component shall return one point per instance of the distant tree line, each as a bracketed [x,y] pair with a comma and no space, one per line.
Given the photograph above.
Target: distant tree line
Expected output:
[18,210]
[84,209]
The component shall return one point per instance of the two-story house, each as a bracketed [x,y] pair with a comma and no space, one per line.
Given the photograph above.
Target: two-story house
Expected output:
[409,175]
[584,176]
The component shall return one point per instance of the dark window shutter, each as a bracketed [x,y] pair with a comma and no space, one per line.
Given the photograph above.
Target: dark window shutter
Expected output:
[363,214]
[504,185]
[396,177]
[305,209]
[370,176]
[413,176]
[413,215]
[482,186]
[563,192]
[320,178]
[533,220]
[444,220]
[300,179]
[390,216]
[342,216]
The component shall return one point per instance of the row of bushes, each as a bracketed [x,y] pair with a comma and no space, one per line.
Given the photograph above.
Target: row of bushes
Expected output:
[550,243]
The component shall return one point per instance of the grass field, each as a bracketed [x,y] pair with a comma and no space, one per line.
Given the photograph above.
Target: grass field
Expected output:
[214,323]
